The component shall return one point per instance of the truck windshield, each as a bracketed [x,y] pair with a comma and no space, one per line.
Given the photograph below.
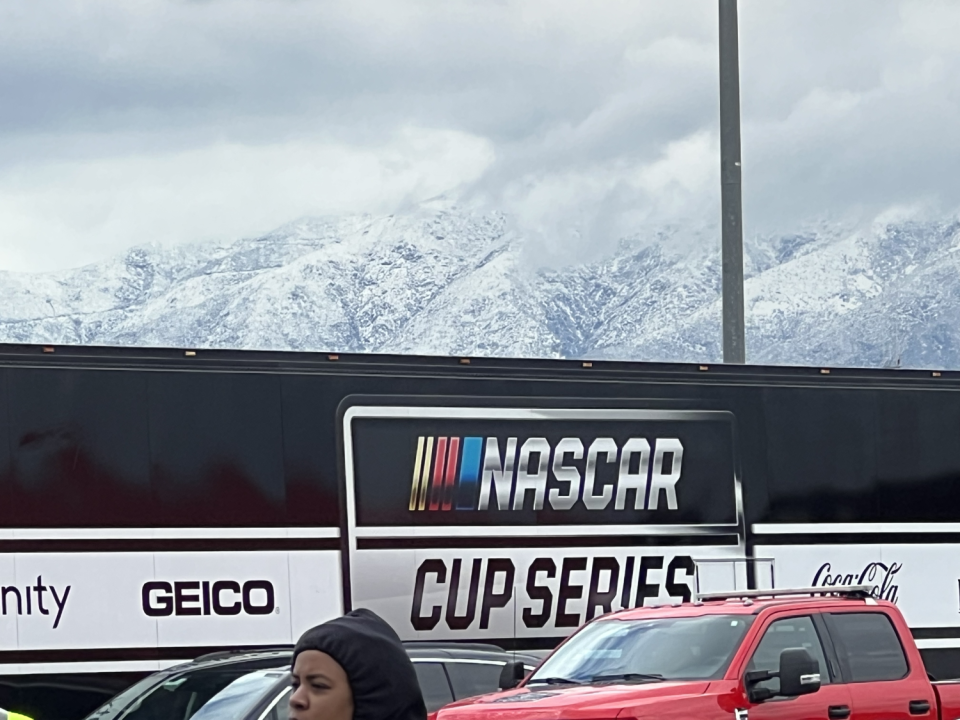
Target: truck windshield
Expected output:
[690,648]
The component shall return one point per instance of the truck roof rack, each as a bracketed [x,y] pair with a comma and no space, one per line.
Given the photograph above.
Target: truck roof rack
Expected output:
[848,591]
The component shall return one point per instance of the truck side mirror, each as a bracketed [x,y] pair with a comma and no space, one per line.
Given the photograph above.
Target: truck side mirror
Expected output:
[511,674]
[799,673]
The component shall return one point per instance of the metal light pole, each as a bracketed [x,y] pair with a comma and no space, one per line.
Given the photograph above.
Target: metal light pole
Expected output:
[734,346]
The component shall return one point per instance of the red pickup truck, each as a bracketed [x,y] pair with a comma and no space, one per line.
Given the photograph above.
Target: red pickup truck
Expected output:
[811,654]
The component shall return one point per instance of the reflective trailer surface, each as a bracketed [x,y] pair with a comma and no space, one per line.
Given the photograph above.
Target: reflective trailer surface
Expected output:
[119,448]
[104,448]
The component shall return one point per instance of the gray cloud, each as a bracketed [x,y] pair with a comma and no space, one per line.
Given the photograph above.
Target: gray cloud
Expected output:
[849,109]
[586,121]
[484,65]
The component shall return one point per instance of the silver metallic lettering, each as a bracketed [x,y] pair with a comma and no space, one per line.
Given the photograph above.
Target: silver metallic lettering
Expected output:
[535,480]
[661,482]
[633,481]
[564,474]
[497,474]
[591,500]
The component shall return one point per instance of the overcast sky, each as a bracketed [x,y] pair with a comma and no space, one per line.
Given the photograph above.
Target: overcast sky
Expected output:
[585,120]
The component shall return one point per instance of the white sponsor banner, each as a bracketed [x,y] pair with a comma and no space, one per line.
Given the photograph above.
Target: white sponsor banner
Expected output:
[80,601]
[921,579]
[522,592]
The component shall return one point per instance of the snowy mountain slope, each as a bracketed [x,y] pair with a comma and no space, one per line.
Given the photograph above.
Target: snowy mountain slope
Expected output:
[900,304]
[440,280]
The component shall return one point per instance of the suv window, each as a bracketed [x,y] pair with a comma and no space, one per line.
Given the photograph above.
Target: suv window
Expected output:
[476,678]
[280,709]
[433,684]
[794,632]
[869,648]
[208,694]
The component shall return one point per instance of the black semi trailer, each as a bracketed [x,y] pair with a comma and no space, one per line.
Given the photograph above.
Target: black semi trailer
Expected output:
[161,504]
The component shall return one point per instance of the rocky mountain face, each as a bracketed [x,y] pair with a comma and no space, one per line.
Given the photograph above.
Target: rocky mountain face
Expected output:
[444,281]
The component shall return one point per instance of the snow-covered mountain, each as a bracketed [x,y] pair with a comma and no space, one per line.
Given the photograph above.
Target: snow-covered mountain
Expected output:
[445,281]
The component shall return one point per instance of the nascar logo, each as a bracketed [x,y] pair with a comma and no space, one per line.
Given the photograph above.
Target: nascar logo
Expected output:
[466,473]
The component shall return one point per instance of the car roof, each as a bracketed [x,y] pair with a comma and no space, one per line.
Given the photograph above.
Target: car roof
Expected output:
[738,606]
[453,652]
[239,659]
[277,657]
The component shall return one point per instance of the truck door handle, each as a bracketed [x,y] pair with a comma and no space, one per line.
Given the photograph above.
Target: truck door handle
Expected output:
[839,712]
[919,707]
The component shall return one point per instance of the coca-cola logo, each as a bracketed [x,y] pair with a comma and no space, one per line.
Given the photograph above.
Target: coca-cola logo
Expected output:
[881,576]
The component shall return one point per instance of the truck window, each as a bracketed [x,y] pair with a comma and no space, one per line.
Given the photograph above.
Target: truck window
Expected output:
[794,632]
[433,684]
[869,648]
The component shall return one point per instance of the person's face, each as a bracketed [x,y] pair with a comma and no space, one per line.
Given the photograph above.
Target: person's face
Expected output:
[321,690]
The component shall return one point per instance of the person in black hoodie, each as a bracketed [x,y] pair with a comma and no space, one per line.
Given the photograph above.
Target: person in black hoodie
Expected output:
[354,668]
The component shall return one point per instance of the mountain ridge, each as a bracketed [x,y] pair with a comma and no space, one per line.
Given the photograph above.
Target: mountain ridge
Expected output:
[446,281]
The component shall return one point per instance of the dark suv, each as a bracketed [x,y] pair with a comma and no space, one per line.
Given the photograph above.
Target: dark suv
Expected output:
[256,685]
[451,671]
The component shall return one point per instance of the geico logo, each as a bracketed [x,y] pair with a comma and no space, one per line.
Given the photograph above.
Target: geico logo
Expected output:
[222,597]
[567,591]
[562,474]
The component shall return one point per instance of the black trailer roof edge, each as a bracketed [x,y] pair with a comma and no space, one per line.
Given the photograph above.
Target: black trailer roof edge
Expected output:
[291,360]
